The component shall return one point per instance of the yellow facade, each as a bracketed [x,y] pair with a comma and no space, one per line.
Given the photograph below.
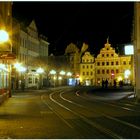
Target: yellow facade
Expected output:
[87,70]
[109,65]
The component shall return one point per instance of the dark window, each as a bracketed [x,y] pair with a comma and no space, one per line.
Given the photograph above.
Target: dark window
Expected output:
[107,63]
[112,63]
[124,62]
[107,71]
[102,55]
[103,71]
[98,71]
[98,63]
[117,71]
[103,63]
[117,63]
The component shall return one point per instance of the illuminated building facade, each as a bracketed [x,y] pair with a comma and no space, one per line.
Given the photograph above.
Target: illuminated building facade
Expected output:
[110,66]
[87,70]
[29,48]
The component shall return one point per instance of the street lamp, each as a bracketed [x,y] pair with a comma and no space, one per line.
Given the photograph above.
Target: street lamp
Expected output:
[53,72]
[4,36]
[21,69]
[126,75]
[40,71]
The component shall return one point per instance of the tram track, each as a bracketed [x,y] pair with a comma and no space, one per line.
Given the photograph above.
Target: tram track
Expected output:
[80,119]
[125,124]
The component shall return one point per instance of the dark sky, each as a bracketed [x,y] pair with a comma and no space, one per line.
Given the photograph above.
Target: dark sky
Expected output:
[91,22]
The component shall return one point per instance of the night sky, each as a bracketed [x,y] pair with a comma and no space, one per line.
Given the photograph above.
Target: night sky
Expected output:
[90,22]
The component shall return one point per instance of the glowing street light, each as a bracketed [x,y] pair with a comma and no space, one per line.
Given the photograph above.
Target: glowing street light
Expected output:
[127,73]
[4,36]
[40,70]
[62,72]
[53,72]
[69,74]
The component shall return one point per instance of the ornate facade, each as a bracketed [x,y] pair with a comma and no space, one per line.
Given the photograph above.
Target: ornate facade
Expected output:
[87,69]
[108,65]
[29,47]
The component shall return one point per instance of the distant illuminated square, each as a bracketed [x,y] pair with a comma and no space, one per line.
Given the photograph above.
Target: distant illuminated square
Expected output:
[129,50]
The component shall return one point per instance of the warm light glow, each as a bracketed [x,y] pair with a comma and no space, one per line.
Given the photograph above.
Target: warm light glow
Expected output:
[129,50]
[19,67]
[62,72]
[53,72]
[59,78]
[119,78]
[3,67]
[69,74]
[4,36]
[54,77]
[127,73]
[40,70]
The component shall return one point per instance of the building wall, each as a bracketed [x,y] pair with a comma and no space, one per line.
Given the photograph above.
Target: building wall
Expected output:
[137,46]
[87,70]
[6,47]
[28,50]
[110,66]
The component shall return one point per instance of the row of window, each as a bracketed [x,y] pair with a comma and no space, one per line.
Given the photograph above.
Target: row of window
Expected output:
[87,73]
[87,66]
[87,60]
[107,71]
[107,55]
[111,63]
[101,72]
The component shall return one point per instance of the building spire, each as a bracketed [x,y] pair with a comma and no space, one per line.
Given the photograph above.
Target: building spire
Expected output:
[108,40]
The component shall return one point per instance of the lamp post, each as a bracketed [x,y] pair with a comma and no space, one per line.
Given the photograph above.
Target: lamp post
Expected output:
[20,70]
[53,72]
[40,71]
[62,73]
